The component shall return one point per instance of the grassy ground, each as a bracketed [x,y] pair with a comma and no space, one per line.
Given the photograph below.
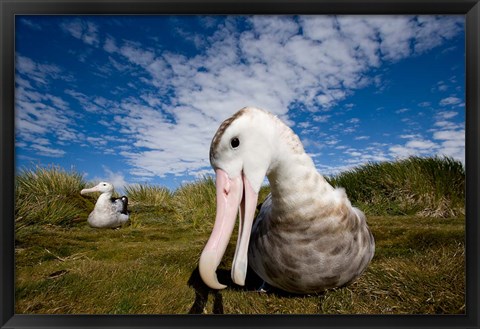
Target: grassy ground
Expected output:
[418,268]
[149,266]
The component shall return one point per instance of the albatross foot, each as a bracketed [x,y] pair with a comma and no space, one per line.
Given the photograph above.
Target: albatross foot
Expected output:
[264,288]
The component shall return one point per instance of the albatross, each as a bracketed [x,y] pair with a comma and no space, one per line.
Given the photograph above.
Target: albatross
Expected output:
[307,236]
[108,211]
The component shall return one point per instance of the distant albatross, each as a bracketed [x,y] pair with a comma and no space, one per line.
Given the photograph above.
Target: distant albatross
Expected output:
[307,236]
[108,211]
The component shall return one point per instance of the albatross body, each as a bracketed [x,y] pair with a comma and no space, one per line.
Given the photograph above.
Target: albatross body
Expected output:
[307,236]
[108,212]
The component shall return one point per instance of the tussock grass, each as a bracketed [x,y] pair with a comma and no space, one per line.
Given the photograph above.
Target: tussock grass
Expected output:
[431,187]
[149,202]
[194,203]
[49,195]
[148,195]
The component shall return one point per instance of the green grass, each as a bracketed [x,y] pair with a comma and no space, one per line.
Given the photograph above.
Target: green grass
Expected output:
[149,203]
[149,266]
[418,269]
[49,196]
[431,187]
[195,204]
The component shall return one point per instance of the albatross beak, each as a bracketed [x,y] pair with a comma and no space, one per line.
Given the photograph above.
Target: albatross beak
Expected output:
[231,193]
[89,190]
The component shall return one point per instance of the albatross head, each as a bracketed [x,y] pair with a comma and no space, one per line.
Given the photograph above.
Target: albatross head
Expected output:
[241,154]
[102,187]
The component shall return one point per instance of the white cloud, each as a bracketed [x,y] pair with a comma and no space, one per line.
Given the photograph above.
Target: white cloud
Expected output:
[168,147]
[331,140]
[136,55]
[420,145]
[321,118]
[449,135]
[447,114]
[31,24]
[424,104]
[444,124]
[450,101]
[42,118]
[304,125]
[116,178]
[43,115]
[110,45]
[411,136]
[442,87]
[47,151]
[83,30]
[355,156]
[362,138]
[395,36]
[415,146]
[432,31]
[96,140]
[354,153]
[452,143]
[449,143]
[38,72]
[398,151]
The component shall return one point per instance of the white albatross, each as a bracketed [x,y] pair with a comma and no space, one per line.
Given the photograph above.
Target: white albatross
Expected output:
[307,236]
[108,211]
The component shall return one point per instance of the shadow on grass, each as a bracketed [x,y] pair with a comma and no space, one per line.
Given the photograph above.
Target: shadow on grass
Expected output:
[202,291]
[252,283]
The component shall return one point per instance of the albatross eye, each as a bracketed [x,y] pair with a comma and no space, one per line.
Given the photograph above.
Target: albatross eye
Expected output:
[235,142]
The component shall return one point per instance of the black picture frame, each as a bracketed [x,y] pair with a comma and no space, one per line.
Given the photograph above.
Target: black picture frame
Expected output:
[10,8]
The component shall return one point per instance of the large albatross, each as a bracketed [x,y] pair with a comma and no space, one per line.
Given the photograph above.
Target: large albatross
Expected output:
[108,211]
[307,236]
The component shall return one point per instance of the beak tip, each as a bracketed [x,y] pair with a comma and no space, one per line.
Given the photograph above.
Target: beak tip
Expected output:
[207,268]
[239,273]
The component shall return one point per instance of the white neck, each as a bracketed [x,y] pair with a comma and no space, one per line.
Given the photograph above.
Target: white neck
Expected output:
[103,199]
[297,187]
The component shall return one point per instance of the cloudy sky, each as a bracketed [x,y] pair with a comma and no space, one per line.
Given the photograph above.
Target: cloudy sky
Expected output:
[137,99]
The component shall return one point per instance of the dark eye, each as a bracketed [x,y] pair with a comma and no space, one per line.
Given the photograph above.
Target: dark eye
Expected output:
[235,142]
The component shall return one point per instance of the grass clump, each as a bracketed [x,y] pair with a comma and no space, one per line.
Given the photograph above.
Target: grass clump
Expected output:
[148,195]
[49,196]
[149,201]
[194,203]
[415,186]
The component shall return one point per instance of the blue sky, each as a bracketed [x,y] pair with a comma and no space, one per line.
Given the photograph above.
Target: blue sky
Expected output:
[137,99]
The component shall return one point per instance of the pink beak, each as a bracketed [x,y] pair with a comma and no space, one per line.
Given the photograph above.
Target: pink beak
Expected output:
[231,194]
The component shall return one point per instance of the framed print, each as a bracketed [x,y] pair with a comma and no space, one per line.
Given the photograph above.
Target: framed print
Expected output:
[224,164]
